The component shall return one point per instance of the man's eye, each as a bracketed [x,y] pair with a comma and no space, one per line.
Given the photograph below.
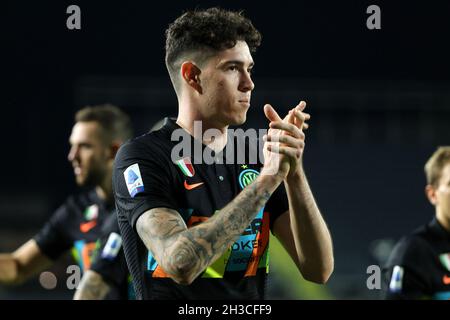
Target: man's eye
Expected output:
[233,68]
[85,146]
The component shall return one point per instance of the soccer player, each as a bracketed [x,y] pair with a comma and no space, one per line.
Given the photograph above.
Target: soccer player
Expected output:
[419,265]
[198,230]
[77,224]
[109,266]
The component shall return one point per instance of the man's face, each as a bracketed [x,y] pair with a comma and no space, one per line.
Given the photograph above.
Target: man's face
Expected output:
[88,154]
[439,195]
[442,192]
[227,86]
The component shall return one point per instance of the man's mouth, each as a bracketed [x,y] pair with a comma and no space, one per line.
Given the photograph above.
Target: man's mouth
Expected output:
[245,101]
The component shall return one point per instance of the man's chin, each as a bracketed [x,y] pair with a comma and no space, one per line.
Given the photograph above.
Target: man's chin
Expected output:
[80,181]
[239,120]
[83,182]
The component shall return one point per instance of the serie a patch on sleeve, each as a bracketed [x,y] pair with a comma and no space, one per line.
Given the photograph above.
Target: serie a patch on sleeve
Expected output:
[397,279]
[112,247]
[133,179]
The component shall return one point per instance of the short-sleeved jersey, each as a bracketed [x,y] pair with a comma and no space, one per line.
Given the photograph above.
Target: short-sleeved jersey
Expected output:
[145,177]
[77,225]
[110,261]
[419,265]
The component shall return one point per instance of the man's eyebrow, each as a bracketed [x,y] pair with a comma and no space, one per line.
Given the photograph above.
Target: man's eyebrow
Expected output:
[237,62]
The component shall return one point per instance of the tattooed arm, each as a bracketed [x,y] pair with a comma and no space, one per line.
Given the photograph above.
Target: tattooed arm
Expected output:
[185,253]
[91,287]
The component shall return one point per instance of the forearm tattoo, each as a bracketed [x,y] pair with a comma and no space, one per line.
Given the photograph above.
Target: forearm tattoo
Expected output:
[180,250]
[92,287]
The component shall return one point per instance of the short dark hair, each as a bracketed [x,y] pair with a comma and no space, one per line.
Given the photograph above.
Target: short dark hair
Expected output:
[202,33]
[115,123]
[435,165]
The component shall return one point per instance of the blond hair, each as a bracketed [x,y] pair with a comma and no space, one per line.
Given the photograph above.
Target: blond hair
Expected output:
[435,165]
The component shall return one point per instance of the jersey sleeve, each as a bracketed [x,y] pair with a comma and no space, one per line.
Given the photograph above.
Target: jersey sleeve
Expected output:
[110,260]
[405,274]
[141,180]
[51,239]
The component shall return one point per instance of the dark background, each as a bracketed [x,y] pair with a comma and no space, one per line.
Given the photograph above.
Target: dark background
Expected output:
[379,100]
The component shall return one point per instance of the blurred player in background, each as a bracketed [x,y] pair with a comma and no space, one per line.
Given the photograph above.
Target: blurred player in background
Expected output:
[109,264]
[419,265]
[79,222]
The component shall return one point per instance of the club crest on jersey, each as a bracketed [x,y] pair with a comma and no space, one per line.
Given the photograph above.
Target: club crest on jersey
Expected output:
[133,179]
[91,212]
[247,176]
[186,167]
[445,260]
[397,279]
[112,247]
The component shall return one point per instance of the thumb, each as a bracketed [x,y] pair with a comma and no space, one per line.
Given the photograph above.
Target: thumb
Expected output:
[270,113]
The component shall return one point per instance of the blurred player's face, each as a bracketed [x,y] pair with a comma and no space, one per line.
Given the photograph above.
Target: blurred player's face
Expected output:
[443,192]
[88,154]
[227,86]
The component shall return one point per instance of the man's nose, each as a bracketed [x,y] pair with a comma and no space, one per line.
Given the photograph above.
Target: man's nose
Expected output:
[246,83]
[73,153]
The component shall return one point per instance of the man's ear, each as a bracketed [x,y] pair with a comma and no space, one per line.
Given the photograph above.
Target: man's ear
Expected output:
[113,148]
[191,75]
[431,194]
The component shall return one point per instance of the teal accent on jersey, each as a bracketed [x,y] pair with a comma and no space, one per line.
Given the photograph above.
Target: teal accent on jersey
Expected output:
[445,295]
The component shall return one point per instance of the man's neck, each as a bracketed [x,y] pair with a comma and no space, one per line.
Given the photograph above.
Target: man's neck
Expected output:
[216,142]
[104,190]
[443,220]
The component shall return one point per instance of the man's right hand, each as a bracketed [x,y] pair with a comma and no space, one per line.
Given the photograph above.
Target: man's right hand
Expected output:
[25,262]
[8,269]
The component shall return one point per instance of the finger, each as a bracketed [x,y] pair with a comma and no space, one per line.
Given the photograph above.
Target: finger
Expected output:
[288,140]
[305,126]
[286,127]
[301,106]
[270,113]
[292,118]
[301,117]
[287,151]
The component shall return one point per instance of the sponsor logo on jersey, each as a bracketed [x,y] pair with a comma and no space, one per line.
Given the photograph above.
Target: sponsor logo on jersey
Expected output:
[133,179]
[87,226]
[397,279]
[84,252]
[186,167]
[247,254]
[112,246]
[191,186]
[91,212]
[246,177]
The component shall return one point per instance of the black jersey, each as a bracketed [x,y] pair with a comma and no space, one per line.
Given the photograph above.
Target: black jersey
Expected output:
[110,261]
[419,265]
[77,225]
[145,177]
